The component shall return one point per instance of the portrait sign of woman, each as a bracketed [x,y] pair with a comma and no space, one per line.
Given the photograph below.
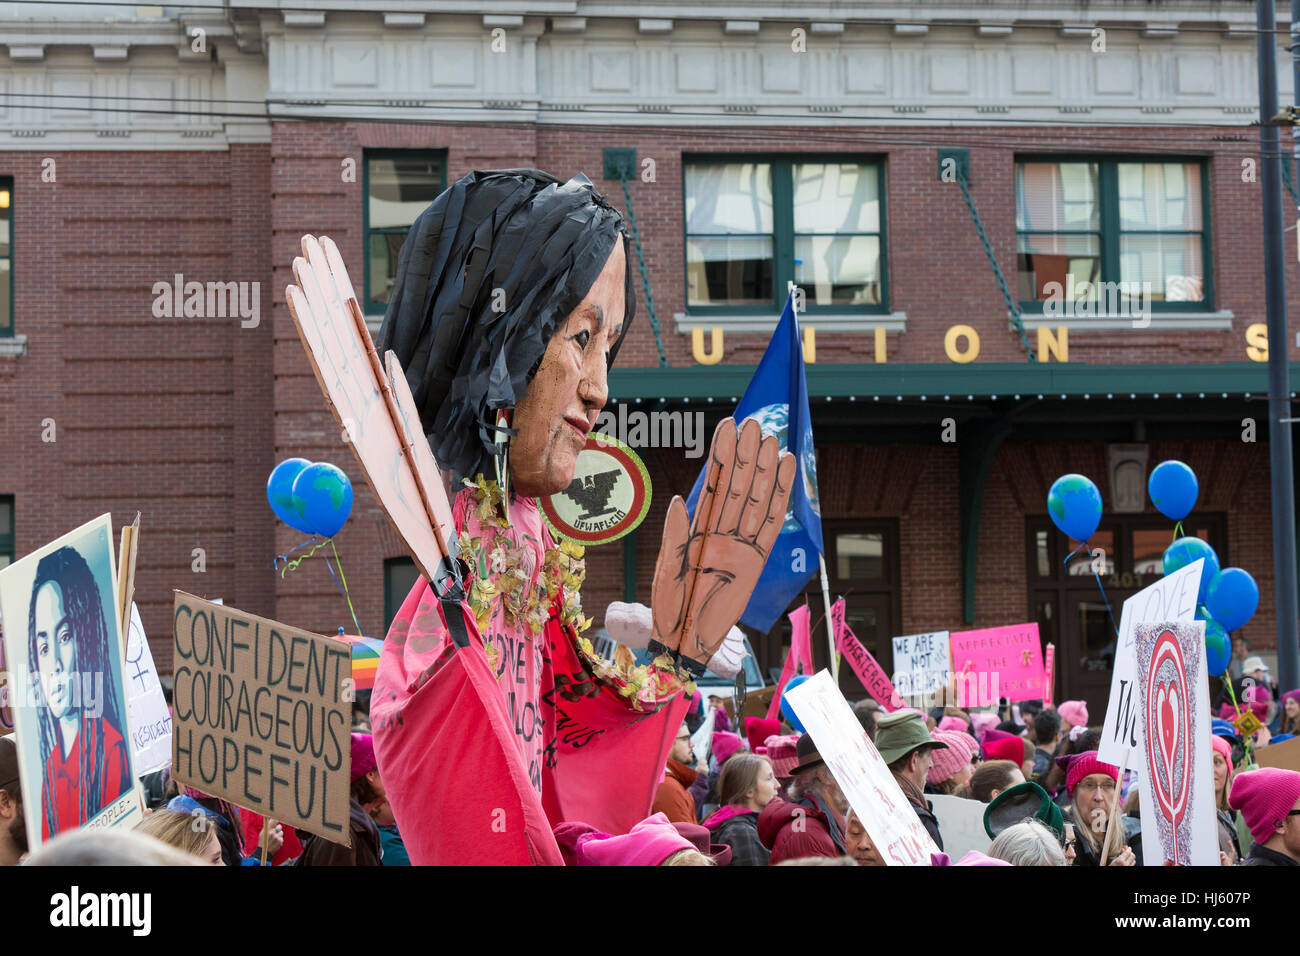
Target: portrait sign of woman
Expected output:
[80,729]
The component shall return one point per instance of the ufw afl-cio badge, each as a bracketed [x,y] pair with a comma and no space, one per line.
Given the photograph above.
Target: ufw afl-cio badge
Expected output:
[608,496]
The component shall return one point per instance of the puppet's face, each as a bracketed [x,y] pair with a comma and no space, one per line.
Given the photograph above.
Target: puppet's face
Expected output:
[570,387]
[56,649]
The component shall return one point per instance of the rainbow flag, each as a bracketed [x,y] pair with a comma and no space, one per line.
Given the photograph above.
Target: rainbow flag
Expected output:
[365,659]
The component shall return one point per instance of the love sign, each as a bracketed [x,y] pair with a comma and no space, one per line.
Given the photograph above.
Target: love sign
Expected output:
[1175,716]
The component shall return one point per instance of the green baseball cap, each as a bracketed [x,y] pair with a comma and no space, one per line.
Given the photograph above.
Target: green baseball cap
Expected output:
[1014,804]
[901,732]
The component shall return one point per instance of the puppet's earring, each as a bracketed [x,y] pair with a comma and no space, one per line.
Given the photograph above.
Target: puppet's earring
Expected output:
[502,458]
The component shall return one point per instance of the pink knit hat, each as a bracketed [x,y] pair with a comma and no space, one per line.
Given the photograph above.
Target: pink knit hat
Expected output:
[948,761]
[1224,748]
[648,844]
[951,722]
[1083,765]
[725,743]
[1264,798]
[1000,745]
[363,755]
[981,723]
[1074,712]
[781,751]
[758,729]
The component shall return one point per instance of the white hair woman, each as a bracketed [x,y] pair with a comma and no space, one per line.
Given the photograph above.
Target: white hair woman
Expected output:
[1028,843]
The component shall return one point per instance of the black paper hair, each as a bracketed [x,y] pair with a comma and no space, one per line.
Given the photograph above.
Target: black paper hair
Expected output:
[467,348]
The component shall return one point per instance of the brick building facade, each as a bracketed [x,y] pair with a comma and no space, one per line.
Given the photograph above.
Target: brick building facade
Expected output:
[182,418]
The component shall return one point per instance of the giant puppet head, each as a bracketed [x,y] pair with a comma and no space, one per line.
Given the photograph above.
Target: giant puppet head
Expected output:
[512,292]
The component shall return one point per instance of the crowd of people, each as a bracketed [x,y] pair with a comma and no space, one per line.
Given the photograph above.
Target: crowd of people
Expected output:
[760,794]
[766,797]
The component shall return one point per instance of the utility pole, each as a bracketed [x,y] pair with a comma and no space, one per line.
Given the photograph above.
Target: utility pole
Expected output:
[1279,387]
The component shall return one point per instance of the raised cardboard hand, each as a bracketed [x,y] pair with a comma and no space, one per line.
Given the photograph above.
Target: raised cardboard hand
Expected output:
[707,568]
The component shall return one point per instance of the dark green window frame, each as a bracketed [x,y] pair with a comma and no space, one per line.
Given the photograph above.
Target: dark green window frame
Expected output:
[369,306]
[7,320]
[7,555]
[1108,199]
[396,572]
[783,230]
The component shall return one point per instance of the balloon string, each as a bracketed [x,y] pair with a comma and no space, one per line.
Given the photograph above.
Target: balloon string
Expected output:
[1178,530]
[292,564]
[346,595]
[1107,600]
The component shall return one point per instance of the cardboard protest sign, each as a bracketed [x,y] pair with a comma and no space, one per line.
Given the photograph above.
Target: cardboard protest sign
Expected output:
[961,823]
[262,715]
[1177,796]
[852,758]
[1172,598]
[151,720]
[64,650]
[1285,756]
[921,663]
[997,662]
[864,666]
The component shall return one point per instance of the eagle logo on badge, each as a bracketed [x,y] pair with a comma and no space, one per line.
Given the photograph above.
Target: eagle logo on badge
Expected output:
[608,497]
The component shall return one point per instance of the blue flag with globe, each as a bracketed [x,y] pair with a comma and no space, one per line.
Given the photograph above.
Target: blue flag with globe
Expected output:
[777,398]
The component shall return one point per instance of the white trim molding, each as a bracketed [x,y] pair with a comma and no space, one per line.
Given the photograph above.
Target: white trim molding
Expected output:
[12,346]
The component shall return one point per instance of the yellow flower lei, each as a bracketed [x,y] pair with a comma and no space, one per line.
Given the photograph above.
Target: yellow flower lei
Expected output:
[501,575]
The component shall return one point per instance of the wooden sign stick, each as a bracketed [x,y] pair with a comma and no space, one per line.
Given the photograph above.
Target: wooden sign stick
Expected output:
[1114,806]
[267,823]
[126,575]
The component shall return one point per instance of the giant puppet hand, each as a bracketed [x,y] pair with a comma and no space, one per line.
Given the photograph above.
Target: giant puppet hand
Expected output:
[707,568]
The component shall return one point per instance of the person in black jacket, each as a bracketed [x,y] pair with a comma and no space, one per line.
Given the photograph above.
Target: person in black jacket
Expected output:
[1091,786]
[746,785]
[1269,801]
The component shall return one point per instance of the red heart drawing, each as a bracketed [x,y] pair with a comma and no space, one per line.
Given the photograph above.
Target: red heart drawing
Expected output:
[1167,730]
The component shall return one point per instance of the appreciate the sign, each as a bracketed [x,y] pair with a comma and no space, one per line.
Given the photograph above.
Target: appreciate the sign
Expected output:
[998,662]
[261,715]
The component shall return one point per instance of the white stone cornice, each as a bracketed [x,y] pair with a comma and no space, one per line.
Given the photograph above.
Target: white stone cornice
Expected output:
[403,21]
[304,18]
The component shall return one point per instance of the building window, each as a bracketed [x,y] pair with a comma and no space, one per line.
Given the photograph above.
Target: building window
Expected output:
[6,531]
[1100,230]
[399,184]
[6,257]
[400,575]
[752,225]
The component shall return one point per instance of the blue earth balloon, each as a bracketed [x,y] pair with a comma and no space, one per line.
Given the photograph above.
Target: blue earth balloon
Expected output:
[1186,550]
[279,493]
[786,710]
[1173,489]
[1218,648]
[1075,506]
[326,495]
[1233,598]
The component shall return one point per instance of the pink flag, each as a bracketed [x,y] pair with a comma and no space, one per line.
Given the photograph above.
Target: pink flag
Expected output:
[871,674]
[1049,675]
[800,653]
